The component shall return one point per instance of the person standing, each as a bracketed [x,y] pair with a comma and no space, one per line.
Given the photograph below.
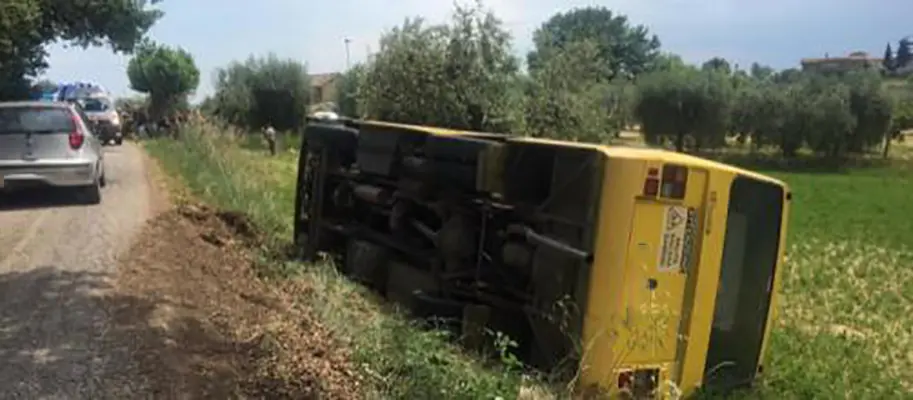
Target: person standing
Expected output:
[269,133]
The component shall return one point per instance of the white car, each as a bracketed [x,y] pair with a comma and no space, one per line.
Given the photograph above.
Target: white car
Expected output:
[49,144]
[105,120]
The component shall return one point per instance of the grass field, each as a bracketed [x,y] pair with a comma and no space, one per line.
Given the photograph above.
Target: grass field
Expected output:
[845,322]
[845,327]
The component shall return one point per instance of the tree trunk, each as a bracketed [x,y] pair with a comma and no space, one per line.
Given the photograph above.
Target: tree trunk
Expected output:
[680,142]
[887,145]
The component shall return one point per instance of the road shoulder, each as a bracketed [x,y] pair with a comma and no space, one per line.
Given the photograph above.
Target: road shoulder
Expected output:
[200,324]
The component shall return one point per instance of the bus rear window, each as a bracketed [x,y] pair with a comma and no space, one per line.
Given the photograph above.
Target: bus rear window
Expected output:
[35,120]
[750,249]
[747,269]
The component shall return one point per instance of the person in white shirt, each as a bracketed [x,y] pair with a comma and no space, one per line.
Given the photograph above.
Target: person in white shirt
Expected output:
[269,133]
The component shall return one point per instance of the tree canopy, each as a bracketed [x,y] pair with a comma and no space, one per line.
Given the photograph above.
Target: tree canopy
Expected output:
[28,26]
[571,99]
[592,74]
[904,54]
[623,49]
[685,105]
[460,74]
[262,90]
[166,74]
[347,87]
[718,64]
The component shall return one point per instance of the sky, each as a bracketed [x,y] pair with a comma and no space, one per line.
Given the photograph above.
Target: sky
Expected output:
[773,32]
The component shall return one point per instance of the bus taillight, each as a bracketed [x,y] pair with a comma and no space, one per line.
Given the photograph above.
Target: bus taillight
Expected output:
[675,179]
[651,184]
[626,380]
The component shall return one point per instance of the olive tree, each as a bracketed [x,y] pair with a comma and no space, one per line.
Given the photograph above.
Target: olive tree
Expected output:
[460,75]
[759,113]
[166,74]
[685,105]
[871,105]
[262,90]
[570,98]
[741,121]
[831,121]
[347,91]
[901,119]
[718,64]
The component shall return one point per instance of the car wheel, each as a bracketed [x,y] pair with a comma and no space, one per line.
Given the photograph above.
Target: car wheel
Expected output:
[118,141]
[91,194]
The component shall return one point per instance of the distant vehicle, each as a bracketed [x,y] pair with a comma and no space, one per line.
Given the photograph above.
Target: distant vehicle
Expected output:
[325,115]
[50,144]
[104,117]
[78,90]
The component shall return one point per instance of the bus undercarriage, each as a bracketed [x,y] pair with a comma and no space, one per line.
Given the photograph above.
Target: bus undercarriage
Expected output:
[473,230]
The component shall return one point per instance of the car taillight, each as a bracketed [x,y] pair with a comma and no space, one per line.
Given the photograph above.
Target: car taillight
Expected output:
[675,180]
[76,140]
[76,137]
[651,184]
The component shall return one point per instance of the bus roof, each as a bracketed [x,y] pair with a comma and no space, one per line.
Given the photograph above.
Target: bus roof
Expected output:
[609,151]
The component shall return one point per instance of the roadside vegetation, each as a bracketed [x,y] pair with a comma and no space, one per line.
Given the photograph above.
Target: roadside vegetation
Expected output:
[843,329]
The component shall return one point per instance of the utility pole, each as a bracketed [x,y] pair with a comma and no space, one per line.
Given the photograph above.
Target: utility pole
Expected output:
[347,41]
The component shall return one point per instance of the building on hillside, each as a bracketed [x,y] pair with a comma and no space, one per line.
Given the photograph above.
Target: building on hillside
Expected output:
[854,61]
[323,87]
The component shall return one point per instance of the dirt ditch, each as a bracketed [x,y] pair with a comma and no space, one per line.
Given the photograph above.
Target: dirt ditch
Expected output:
[202,325]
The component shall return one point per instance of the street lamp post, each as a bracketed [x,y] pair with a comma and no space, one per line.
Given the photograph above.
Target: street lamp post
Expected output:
[347,41]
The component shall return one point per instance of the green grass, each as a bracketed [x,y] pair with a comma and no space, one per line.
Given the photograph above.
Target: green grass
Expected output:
[845,326]
[871,205]
[846,322]
[398,359]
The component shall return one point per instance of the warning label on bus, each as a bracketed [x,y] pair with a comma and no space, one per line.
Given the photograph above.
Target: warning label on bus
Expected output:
[675,242]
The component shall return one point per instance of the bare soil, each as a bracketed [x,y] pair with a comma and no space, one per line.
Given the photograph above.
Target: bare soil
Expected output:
[201,324]
[204,326]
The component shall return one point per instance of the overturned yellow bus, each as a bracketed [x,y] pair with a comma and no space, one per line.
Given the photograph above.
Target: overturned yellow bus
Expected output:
[645,272]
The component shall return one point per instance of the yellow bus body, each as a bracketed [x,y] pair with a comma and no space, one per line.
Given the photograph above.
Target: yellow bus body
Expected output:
[672,323]
[639,318]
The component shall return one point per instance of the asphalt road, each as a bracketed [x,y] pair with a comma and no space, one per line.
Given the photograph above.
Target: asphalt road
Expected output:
[56,258]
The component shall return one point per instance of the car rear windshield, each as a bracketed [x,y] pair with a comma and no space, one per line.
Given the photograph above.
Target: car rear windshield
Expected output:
[95,105]
[35,119]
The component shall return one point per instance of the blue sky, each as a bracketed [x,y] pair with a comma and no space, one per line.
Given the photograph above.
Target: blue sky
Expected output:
[773,32]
